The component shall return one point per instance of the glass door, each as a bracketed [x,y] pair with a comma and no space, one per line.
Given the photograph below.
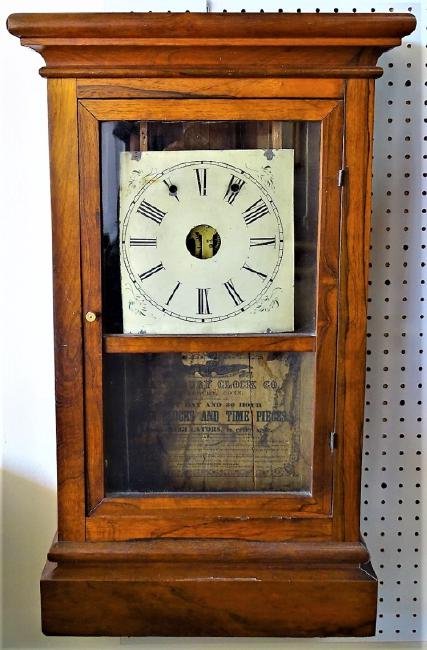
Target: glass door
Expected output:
[211,365]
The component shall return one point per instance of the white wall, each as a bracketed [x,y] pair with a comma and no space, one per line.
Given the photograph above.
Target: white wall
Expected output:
[29,470]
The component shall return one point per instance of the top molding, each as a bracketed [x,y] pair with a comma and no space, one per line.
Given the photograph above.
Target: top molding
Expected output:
[97,45]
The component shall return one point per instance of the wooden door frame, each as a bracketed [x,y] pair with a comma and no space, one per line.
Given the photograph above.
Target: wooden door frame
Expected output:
[280,514]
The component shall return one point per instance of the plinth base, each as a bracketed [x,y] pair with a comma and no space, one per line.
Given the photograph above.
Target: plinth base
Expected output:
[123,589]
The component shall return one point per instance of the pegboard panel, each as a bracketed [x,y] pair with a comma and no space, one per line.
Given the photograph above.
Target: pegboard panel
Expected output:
[393,445]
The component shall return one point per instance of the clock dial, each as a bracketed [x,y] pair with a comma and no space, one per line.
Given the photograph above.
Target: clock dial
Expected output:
[205,244]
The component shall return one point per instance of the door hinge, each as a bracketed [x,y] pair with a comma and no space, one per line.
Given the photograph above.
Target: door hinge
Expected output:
[342,174]
[332,440]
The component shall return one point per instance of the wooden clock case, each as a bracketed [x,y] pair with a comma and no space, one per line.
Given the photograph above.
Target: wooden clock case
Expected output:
[239,565]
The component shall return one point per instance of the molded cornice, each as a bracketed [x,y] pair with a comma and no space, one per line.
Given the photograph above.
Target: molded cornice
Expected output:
[210,45]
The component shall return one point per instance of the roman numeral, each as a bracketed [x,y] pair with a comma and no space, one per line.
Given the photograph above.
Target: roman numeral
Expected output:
[263,241]
[255,211]
[248,268]
[203,304]
[150,272]
[233,189]
[233,293]
[136,241]
[173,292]
[151,212]
[201,180]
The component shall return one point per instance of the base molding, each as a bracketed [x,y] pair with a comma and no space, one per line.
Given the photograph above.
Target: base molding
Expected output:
[119,595]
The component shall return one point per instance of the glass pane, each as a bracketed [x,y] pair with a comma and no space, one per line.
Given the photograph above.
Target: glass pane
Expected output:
[208,422]
[209,227]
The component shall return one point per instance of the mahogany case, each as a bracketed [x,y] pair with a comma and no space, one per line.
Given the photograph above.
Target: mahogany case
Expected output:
[217,565]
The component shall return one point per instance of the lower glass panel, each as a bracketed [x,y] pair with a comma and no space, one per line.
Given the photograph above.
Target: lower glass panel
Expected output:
[214,422]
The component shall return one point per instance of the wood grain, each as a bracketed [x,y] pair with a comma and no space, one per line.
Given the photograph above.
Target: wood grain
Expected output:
[262,516]
[271,69]
[327,302]
[208,599]
[214,109]
[67,307]
[219,41]
[199,25]
[189,550]
[92,302]
[211,88]
[171,45]
[290,57]
[276,504]
[207,526]
[130,344]
[355,227]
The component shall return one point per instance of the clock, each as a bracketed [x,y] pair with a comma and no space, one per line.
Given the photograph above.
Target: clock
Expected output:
[210,182]
[206,241]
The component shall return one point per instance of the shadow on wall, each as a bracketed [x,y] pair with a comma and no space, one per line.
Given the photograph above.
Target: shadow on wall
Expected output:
[29,514]
[28,526]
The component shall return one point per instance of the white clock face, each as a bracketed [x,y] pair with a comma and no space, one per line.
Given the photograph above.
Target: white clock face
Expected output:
[203,243]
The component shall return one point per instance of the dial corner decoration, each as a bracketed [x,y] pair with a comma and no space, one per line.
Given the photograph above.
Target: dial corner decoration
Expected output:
[206,241]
